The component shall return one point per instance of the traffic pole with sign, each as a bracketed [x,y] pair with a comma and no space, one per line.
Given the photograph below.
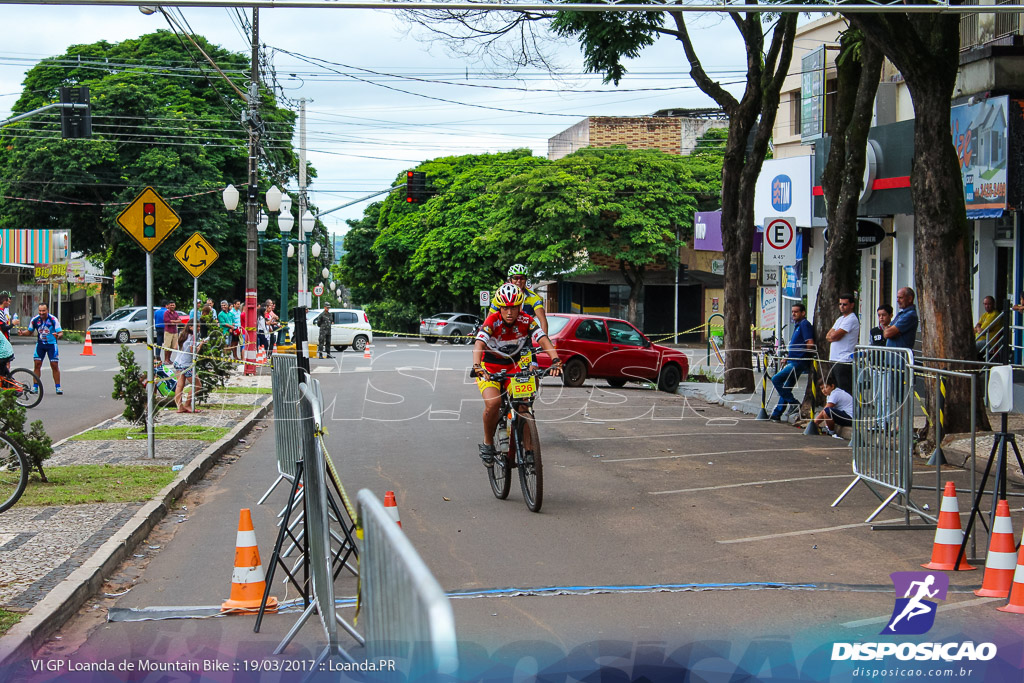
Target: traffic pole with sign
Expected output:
[485,301]
[779,241]
[196,255]
[149,221]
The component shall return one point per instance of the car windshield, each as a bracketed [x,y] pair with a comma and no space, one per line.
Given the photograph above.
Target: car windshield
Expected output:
[556,323]
[119,314]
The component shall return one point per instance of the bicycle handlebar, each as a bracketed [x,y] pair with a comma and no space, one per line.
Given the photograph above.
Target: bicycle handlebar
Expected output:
[505,374]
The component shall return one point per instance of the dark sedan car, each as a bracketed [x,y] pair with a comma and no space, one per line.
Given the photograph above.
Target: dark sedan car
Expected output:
[611,349]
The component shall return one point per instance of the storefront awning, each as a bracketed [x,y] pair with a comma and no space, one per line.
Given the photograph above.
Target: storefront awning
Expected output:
[974,214]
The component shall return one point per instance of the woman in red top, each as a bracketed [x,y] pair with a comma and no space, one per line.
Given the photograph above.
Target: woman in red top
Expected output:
[502,340]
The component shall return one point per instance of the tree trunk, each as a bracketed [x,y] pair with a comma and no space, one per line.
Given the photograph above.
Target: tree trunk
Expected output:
[925,48]
[636,287]
[843,177]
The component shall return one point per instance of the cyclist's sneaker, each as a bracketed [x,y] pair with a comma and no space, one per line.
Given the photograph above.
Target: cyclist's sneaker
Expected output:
[487,454]
[58,391]
[35,389]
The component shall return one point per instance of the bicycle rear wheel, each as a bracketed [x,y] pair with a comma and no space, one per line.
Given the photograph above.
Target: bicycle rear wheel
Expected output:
[531,473]
[14,472]
[25,381]
[498,474]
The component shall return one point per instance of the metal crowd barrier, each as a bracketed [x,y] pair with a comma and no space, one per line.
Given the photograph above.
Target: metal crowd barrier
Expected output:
[405,613]
[287,437]
[883,426]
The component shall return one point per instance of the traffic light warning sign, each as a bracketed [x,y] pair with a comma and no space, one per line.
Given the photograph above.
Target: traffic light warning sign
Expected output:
[149,220]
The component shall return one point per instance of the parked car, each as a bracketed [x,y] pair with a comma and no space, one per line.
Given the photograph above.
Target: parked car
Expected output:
[613,350]
[456,328]
[351,327]
[123,325]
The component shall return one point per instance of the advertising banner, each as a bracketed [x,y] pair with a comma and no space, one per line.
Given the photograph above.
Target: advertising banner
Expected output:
[707,231]
[33,246]
[784,189]
[979,135]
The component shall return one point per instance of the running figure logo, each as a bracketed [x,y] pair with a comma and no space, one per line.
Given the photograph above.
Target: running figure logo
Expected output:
[914,612]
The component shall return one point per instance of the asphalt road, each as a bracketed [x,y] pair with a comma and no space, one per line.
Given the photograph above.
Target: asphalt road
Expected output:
[87,382]
[665,524]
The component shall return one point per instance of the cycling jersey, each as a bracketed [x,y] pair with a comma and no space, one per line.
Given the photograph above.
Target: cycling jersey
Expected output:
[504,343]
[46,329]
[530,306]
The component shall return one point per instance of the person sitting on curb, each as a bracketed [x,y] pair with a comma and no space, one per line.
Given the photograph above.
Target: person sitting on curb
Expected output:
[838,410]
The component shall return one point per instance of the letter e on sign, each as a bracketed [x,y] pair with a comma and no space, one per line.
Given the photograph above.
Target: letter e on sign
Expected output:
[779,241]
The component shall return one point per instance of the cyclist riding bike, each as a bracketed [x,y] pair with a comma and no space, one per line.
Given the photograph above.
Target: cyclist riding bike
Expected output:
[502,341]
[533,305]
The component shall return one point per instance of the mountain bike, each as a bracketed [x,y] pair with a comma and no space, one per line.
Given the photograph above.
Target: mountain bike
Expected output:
[28,391]
[14,471]
[518,425]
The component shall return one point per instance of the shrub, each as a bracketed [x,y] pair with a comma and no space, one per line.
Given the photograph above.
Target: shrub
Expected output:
[35,444]
[130,386]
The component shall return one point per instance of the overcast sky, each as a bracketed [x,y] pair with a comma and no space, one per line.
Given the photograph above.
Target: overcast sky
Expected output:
[362,134]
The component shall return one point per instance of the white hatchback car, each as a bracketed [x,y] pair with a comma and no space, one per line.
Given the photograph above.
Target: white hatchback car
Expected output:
[351,327]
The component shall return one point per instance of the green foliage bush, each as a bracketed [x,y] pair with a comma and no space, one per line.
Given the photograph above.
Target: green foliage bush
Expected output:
[72,336]
[35,443]
[395,316]
[130,386]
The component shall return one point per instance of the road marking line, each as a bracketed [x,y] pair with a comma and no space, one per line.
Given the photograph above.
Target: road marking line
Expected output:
[439,369]
[363,369]
[712,453]
[943,608]
[662,436]
[80,369]
[113,369]
[806,532]
[322,370]
[753,483]
[391,346]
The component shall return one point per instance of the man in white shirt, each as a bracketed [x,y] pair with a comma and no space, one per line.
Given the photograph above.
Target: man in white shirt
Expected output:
[843,338]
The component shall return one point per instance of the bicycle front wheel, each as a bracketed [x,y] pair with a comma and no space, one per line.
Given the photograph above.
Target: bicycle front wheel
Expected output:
[14,472]
[531,473]
[498,474]
[28,391]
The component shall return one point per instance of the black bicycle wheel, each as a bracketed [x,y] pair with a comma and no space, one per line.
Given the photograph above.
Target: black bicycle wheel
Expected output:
[531,472]
[29,391]
[498,475]
[14,471]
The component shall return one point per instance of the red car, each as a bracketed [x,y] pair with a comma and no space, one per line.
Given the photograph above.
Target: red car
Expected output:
[612,349]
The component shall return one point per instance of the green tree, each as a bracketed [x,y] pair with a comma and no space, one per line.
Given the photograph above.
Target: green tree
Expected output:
[358,268]
[599,206]
[158,120]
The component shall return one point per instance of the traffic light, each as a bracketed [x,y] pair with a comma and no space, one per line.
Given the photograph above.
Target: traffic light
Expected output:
[148,219]
[416,187]
[75,123]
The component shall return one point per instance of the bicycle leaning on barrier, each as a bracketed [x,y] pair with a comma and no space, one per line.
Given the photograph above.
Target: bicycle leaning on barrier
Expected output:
[14,471]
[516,439]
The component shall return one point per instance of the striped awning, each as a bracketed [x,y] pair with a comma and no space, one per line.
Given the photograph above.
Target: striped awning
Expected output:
[31,246]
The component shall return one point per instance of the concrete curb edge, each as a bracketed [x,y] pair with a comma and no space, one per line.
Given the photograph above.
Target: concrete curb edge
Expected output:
[70,594]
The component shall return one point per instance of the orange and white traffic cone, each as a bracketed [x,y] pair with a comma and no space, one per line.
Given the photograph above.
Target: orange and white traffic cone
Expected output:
[391,506]
[248,583]
[1016,603]
[1000,562]
[368,351]
[948,535]
[87,350]
[261,356]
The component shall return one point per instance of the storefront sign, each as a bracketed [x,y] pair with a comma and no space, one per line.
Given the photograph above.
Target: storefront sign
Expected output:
[51,274]
[869,234]
[979,135]
[784,189]
[707,231]
[769,306]
[812,95]
[791,285]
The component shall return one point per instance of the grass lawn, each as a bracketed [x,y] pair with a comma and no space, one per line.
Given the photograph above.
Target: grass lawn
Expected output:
[217,406]
[186,432]
[243,390]
[7,620]
[77,484]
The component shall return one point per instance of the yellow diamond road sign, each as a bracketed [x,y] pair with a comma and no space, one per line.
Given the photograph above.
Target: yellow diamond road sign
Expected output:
[149,220]
[196,255]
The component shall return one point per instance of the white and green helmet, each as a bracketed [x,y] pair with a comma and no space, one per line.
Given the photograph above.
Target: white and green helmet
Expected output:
[516,269]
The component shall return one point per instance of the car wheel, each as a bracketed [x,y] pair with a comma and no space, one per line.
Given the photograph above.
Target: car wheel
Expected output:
[359,343]
[669,378]
[617,382]
[574,372]
[470,337]
[456,337]
[430,340]
[123,337]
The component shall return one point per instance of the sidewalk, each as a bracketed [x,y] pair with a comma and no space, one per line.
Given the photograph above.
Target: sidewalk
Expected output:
[53,558]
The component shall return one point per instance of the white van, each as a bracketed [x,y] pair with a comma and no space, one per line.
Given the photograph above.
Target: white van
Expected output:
[351,327]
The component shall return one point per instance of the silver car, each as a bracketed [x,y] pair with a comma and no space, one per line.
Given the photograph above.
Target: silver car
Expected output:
[122,325]
[455,328]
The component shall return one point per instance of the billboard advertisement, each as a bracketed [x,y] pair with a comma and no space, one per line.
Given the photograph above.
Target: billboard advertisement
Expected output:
[979,135]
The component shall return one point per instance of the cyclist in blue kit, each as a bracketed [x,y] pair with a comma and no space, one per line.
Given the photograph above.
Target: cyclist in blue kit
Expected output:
[47,330]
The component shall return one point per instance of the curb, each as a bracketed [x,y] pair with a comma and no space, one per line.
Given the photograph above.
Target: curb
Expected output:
[70,594]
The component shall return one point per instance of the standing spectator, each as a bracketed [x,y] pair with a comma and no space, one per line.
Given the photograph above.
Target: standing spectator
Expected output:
[838,410]
[987,333]
[274,323]
[6,320]
[902,333]
[158,329]
[184,367]
[801,346]
[877,334]
[843,338]
[262,338]
[324,322]
[236,315]
[227,326]
[171,330]
[47,330]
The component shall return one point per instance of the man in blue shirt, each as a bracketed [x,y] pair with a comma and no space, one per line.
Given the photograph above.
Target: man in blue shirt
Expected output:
[47,330]
[801,348]
[158,328]
[902,331]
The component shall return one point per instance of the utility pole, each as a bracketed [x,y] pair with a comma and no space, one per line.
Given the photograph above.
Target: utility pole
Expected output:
[304,298]
[252,202]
